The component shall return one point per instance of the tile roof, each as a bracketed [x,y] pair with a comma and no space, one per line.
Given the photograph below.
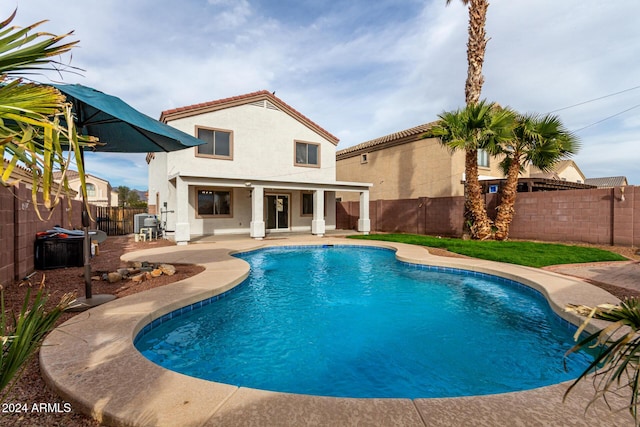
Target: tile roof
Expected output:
[607,182]
[365,146]
[219,104]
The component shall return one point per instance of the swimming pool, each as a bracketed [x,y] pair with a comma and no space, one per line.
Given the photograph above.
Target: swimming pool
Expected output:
[354,322]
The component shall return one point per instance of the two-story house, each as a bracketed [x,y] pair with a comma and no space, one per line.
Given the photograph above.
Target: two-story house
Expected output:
[405,165]
[99,191]
[264,168]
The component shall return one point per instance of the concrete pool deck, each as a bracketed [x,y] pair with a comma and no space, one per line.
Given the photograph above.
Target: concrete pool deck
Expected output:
[91,362]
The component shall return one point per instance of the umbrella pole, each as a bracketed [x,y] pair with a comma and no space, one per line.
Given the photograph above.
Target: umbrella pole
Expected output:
[86,243]
[89,299]
[87,253]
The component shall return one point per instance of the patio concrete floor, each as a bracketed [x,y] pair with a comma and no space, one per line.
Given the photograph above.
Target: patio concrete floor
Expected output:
[91,362]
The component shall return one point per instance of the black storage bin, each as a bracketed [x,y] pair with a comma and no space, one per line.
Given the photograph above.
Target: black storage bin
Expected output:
[55,252]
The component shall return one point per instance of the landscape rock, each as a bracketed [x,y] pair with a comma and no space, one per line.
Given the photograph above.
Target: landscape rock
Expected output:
[167,269]
[135,264]
[156,273]
[138,278]
[124,272]
[114,277]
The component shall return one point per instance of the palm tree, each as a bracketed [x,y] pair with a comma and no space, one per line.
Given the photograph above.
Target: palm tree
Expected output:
[35,120]
[540,141]
[617,366]
[478,126]
[476,46]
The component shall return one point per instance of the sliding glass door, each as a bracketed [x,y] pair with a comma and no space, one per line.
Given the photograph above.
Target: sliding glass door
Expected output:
[277,211]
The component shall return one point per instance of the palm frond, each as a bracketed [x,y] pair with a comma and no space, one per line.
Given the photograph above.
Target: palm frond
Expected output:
[617,365]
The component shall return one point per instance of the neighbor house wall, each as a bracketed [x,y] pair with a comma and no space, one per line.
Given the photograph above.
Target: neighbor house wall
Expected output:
[417,168]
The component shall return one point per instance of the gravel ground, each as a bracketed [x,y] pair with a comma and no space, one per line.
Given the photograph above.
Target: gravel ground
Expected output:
[31,389]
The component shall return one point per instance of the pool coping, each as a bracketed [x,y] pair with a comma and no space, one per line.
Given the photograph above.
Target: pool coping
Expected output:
[91,362]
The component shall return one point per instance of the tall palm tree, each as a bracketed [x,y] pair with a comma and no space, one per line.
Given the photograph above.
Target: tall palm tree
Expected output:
[476,46]
[540,141]
[35,120]
[478,126]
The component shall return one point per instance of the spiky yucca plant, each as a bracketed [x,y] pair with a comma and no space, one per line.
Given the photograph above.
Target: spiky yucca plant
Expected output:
[36,123]
[22,334]
[617,366]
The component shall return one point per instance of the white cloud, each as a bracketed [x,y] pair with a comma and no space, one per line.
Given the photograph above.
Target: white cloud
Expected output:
[364,69]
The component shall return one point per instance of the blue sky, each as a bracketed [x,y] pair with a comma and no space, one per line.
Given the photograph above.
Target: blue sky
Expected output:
[361,69]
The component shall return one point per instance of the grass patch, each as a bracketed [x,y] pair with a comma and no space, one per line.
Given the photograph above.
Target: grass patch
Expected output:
[531,254]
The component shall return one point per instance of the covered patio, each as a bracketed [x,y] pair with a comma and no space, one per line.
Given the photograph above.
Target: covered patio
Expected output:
[258,207]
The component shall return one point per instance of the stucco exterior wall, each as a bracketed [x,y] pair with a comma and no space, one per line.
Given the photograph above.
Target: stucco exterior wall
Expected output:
[263,146]
[404,171]
[158,185]
[571,174]
[102,196]
[418,168]
[263,154]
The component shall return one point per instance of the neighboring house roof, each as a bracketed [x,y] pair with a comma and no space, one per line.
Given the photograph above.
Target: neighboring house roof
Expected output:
[71,174]
[556,171]
[264,97]
[538,184]
[608,182]
[24,175]
[396,138]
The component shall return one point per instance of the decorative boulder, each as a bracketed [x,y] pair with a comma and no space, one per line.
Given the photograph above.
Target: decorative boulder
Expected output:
[114,277]
[167,269]
[138,278]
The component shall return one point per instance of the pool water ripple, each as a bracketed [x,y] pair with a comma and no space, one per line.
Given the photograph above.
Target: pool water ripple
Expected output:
[355,322]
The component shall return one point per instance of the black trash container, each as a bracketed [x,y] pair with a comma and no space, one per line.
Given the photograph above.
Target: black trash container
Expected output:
[57,252]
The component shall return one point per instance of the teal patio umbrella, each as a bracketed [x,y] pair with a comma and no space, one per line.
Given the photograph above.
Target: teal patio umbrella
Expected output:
[119,128]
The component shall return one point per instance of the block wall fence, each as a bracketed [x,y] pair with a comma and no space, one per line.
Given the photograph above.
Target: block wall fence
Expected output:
[19,224]
[598,216]
[608,216]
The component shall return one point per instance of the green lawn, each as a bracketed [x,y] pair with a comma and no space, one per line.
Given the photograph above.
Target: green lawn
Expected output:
[521,253]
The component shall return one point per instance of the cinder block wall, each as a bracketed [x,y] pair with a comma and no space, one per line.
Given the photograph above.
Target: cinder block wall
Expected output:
[599,216]
[19,224]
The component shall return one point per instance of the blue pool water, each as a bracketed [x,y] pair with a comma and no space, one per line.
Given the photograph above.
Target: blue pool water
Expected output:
[355,322]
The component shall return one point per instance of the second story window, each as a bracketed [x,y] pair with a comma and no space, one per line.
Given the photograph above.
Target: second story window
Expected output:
[483,158]
[91,190]
[219,143]
[307,154]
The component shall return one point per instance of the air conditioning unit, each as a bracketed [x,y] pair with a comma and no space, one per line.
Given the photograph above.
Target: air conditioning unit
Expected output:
[138,221]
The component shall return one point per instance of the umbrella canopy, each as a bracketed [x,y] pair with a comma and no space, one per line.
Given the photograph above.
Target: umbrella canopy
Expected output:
[120,127]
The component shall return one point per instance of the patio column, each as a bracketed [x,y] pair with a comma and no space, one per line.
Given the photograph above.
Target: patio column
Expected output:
[318,224]
[364,223]
[257,213]
[183,230]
